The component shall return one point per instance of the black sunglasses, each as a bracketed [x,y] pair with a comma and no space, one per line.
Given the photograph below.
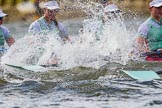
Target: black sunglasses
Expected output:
[53,11]
[117,11]
[1,18]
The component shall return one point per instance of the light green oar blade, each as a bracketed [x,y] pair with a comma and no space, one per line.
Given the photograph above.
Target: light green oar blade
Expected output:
[142,75]
[35,68]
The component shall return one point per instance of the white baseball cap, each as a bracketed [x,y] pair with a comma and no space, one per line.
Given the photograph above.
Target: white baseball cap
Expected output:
[111,8]
[155,3]
[2,14]
[51,5]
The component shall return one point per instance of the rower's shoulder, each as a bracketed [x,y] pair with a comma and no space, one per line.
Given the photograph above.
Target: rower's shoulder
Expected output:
[145,24]
[4,28]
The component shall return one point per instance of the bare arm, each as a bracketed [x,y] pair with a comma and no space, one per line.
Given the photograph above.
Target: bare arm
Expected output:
[142,44]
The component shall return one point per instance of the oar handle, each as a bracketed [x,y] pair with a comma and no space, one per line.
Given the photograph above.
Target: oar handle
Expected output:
[151,53]
[159,72]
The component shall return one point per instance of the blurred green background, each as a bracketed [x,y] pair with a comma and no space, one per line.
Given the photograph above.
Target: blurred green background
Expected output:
[11,2]
[9,6]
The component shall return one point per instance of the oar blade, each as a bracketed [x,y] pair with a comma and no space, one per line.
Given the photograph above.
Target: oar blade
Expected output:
[142,75]
[35,68]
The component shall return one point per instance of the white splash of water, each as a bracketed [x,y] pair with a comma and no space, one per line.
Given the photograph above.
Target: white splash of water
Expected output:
[29,49]
[100,41]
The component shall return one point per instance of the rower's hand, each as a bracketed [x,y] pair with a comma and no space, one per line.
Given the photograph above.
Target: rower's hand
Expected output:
[10,41]
[147,50]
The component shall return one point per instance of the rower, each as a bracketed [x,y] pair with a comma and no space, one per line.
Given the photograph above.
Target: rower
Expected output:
[48,21]
[49,24]
[112,11]
[104,14]
[150,32]
[4,34]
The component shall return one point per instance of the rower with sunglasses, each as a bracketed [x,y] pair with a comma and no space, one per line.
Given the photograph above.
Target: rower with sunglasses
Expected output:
[48,24]
[5,35]
[48,21]
[106,12]
[110,8]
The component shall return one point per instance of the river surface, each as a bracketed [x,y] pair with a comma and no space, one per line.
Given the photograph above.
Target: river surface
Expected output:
[97,84]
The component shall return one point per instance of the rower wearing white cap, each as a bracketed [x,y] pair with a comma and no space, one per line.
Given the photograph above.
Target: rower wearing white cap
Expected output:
[109,11]
[4,33]
[150,32]
[111,8]
[48,22]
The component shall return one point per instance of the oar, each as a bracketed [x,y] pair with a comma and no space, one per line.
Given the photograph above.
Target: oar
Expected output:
[34,68]
[143,75]
[151,53]
[159,72]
